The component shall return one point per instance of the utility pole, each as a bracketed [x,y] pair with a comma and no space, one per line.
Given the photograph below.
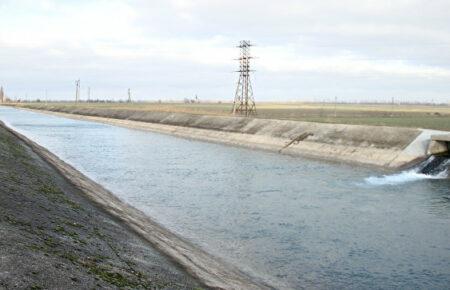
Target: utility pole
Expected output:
[88,94]
[129,96]
[323,108]
[77,90]
[392,107]
[335,108]
[2,95]
[244,104]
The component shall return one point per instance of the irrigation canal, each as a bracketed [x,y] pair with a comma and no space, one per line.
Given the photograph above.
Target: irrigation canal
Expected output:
[291,222]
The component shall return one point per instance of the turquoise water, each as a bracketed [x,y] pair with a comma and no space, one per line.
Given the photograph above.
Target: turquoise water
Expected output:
[292,222]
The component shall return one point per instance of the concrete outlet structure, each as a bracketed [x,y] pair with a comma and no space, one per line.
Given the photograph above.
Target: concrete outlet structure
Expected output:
[439,144]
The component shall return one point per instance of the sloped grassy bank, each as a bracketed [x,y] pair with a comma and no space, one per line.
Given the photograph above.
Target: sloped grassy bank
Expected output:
[52,237]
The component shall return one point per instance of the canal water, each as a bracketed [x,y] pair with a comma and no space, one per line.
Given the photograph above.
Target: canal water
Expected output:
[292,222]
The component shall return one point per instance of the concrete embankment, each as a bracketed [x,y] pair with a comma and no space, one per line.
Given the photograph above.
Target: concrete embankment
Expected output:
[85,230]
[379,146]
[53,237]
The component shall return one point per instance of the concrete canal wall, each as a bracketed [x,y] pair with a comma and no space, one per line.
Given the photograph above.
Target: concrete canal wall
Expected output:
[209,270]
[53,237]
[379,146]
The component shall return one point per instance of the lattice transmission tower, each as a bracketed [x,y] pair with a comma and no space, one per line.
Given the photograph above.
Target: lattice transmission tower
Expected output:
[244,104]
[77,91]
[129,96]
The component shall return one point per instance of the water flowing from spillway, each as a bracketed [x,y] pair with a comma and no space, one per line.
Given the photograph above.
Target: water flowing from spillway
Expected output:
[435,167]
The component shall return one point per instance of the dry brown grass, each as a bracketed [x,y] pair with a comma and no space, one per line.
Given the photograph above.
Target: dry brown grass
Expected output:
[419,116]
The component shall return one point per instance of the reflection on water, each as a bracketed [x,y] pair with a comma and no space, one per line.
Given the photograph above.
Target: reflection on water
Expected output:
[295,222]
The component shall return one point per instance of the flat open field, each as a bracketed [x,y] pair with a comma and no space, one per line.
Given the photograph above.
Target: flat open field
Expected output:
[418,116]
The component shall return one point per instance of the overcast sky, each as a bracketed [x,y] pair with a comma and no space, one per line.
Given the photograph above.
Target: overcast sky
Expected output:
[172,49]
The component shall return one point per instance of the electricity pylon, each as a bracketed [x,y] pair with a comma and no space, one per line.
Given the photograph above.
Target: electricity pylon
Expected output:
[244,104]
[129,96]
[77,90]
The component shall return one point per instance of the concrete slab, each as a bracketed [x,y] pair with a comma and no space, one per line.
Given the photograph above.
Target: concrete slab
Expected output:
[417,149]
[441,137]
[437,147]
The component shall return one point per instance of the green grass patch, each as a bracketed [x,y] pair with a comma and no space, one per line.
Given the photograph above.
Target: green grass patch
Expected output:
[57,195]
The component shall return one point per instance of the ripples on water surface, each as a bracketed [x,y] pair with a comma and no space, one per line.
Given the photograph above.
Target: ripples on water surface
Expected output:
[295,222]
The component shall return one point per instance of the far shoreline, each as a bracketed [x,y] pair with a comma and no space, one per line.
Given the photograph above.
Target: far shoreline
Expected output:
[389,148]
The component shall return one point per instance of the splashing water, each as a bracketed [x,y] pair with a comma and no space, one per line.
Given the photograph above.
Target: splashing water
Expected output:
[432,168]
[403,177]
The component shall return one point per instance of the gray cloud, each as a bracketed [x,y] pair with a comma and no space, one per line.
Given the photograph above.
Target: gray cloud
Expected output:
[356,50]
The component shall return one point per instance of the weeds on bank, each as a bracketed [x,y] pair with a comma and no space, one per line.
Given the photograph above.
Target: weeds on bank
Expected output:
[13,221]
[21,171]
[57,195]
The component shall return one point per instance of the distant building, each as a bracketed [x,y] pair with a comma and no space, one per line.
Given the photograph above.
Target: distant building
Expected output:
[2,95]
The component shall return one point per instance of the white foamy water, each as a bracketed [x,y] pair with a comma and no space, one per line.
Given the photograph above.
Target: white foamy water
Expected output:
[410,175]
[402,177]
